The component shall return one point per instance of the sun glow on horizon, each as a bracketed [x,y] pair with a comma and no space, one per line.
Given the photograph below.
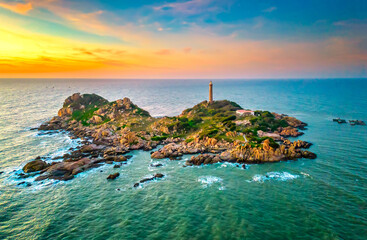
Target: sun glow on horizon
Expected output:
[59,39]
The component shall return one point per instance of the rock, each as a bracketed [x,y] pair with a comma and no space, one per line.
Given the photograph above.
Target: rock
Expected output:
[290,132]
[96,119]
[308,154]
[157,155]
[293,122]
[120,159]
[66,170]
[27,184]
[34,166]
[91,148]
[156,176]
[68,111]
[113,176]
[156,165]
[116,166]
[274,136]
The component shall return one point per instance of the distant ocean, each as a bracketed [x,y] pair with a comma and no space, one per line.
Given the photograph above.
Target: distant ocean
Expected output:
[325,198]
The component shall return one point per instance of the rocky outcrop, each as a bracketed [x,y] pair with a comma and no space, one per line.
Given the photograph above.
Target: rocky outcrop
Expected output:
[272,135]
[204,159]
[35,166]
[293,122]
[67,170]
[109,130]
[155,177]
[289,132]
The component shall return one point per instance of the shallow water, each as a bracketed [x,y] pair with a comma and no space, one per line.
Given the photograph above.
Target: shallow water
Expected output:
[325,198]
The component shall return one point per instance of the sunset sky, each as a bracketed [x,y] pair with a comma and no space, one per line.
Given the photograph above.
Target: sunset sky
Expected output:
[183,39]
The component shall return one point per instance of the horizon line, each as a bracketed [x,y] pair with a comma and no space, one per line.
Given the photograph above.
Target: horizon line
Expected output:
[85,78]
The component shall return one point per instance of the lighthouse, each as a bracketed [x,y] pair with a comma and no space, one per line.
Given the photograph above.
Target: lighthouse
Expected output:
[210,92]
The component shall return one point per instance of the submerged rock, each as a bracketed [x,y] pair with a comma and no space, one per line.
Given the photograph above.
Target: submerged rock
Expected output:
[26,184]
[156,165]
[156,176]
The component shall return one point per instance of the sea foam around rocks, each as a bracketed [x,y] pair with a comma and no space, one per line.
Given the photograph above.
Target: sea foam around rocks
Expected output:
[278,176]
[208,181]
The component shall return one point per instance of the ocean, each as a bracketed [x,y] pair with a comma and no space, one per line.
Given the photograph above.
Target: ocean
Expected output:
[325,198]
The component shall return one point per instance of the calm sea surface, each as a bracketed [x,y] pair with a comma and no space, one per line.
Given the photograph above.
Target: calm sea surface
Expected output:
[325,198]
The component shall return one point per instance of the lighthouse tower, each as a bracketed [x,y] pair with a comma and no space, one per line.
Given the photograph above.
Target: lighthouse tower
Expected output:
[210,92]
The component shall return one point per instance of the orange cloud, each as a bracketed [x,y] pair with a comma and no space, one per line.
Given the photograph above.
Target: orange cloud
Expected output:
[187,50]
[21,8]
[164,52]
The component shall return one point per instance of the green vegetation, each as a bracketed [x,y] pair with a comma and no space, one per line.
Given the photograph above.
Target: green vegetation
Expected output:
[86,100]
[84,115]
[215,120]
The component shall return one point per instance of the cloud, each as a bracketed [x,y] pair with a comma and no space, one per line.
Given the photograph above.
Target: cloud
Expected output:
[164,52]
[187,50]
[21,8]
[191,7]
[270,9]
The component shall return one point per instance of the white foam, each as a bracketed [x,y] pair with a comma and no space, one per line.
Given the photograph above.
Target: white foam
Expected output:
[208,181]
[278,176]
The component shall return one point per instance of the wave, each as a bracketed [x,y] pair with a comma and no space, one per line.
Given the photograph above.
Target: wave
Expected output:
[208,181]
[278,176]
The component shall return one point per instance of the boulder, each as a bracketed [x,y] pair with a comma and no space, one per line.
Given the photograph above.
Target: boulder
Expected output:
[96,119]
[113,176]
[34,166]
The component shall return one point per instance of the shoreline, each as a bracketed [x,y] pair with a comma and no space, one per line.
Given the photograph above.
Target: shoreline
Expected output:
[110,130]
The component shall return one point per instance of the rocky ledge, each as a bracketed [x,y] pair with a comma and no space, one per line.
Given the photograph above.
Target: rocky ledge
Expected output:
[213,132]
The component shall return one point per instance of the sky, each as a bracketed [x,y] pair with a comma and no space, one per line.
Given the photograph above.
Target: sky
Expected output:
[183,39]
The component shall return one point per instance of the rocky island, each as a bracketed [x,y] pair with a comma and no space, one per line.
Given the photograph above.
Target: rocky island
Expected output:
[211,131]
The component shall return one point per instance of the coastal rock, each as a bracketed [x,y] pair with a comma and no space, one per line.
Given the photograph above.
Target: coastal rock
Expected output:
[290,132]
[113,176]
[156,176]
[309,155]
[66,170]
[65,112]
[203,159]
[272,135]
[213,131]
[153,165]
[34,166]
[96,119]
[293,122]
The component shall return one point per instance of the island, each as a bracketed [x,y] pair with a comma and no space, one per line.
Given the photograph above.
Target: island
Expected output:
[211,132]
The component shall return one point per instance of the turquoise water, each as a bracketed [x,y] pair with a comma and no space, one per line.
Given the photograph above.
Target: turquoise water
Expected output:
[325,198]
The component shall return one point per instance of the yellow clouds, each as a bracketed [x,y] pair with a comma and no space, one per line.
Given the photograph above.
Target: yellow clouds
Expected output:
[193,53]
[21,8]
[25,54]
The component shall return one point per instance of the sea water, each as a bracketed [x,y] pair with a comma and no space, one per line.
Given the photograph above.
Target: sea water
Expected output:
[325,198]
